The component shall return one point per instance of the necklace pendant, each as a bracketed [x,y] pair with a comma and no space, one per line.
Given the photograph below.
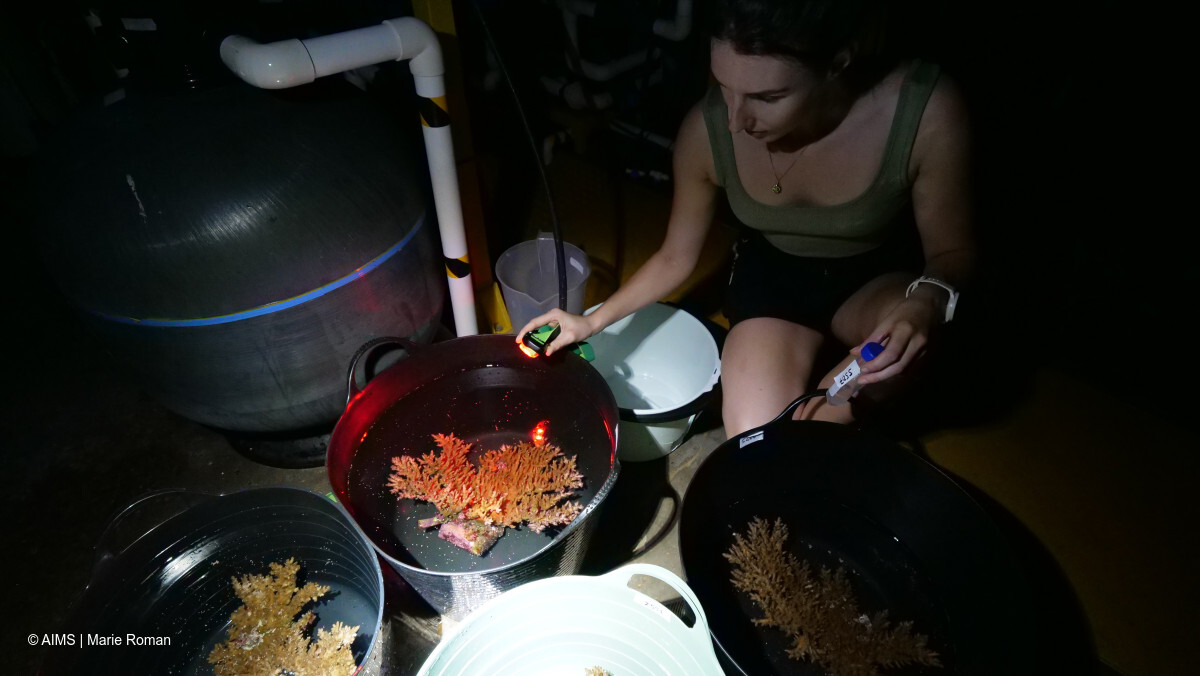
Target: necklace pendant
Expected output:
[776,189]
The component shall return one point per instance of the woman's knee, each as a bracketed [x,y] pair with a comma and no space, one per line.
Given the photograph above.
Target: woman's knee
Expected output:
[737,417]
[765,365]
[862,312]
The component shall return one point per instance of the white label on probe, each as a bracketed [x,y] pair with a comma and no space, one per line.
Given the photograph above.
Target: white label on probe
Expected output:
[844,377]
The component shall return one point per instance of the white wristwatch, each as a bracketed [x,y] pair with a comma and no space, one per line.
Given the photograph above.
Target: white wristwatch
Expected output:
[950,289]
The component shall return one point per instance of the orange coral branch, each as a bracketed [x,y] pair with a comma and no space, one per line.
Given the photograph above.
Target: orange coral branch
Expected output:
[524,483]
[446,479]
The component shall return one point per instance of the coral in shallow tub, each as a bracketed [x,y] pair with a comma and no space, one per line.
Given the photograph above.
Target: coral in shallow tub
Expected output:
[267,636]
[819,612]
[521,484]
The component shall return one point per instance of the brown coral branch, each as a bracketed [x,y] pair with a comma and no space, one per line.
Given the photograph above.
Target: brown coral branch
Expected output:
[267,633]
[818,612]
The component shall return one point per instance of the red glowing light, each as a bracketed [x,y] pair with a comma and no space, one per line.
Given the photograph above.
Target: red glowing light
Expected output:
[528,352]
[539,433]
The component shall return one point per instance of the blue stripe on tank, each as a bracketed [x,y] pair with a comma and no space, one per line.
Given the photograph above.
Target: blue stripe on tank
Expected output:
[278,305]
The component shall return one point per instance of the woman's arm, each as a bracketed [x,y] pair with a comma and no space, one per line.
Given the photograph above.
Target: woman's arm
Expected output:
[692,210]
[942,206]
[941,193]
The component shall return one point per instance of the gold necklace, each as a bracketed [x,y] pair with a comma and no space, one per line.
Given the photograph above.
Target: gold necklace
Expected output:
[778,176]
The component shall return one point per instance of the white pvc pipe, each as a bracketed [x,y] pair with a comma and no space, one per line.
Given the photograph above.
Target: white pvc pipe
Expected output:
[352,49]
[278,65]
[289,63]
[679,28]
[675,30]
[610,69]
[419,44]
[420,47]
[446,201]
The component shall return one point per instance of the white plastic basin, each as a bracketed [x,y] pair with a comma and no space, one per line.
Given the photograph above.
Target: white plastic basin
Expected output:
[568,624]
[659,362]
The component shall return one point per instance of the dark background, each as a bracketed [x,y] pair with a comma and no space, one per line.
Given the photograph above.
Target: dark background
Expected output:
[1086,261]
[1087,257]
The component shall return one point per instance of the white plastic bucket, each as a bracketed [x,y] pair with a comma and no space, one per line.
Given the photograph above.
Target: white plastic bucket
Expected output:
[568,624]
[660,363]
[528,277]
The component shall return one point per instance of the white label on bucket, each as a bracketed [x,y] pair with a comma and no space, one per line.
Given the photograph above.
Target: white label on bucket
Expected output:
[746,441]
[654,605]
[577,265]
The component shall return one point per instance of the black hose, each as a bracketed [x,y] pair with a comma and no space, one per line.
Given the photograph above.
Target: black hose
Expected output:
[560,257]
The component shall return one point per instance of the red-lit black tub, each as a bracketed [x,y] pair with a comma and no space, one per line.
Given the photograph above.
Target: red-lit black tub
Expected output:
[486,392]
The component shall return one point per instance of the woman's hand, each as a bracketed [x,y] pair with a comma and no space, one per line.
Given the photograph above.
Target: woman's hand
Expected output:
[574,328]
[692,208]
[905,333]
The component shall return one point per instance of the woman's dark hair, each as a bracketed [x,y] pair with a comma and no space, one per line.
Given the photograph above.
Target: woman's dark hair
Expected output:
[813,32]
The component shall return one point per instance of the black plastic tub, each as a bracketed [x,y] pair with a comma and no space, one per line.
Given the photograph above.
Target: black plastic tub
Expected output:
[173,584]
[911,540]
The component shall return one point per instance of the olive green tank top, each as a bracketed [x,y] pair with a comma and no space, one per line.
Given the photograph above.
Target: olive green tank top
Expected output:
[845,229]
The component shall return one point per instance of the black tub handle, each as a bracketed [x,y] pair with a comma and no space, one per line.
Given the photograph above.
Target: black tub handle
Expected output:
[365,352]
[107,546]
[694,406]
[703,399]
[791,408]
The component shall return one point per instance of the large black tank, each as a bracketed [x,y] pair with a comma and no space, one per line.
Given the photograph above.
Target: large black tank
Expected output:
[234,246]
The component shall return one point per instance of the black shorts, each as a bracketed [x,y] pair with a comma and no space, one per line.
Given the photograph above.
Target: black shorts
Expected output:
[768,282]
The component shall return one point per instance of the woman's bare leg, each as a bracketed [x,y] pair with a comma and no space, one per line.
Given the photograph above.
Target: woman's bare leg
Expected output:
[765,364]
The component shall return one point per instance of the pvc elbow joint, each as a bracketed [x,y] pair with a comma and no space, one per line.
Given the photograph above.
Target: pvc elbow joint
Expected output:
[675,30]
[288,63]
[420,44]
[277,65]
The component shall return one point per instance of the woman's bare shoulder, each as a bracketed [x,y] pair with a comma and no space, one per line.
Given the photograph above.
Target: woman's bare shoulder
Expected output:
[693,149]
[945,123]
[946,109]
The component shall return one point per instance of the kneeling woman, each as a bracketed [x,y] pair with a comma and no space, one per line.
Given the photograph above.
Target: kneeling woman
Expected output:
[829,151]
